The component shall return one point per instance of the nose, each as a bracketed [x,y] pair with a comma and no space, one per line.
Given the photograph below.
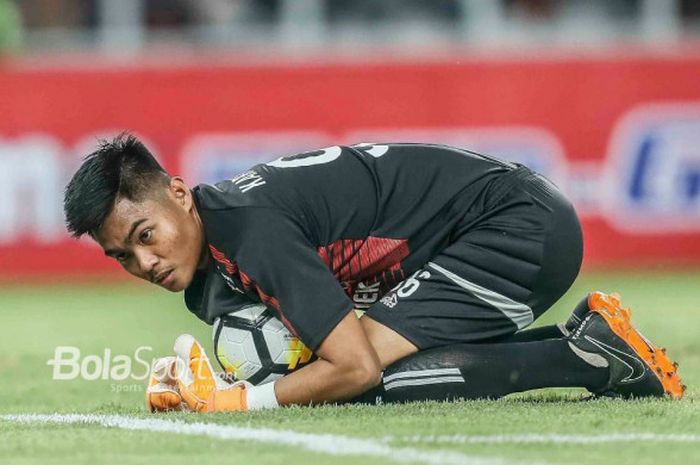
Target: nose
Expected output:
[147,261]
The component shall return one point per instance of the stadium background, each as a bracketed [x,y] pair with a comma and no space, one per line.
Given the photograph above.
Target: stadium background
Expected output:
[601,96]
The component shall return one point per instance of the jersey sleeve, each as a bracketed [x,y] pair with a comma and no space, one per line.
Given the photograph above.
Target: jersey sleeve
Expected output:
[209,296]
[281,263]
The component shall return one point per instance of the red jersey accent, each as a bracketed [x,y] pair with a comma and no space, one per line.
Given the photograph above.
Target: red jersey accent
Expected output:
[370,260]
[220,257]
[248,284]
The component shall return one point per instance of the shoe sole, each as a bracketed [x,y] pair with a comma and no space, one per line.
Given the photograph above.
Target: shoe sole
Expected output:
[618,319]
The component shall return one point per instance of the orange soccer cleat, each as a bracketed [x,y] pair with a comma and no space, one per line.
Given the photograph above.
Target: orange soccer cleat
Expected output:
[638,368]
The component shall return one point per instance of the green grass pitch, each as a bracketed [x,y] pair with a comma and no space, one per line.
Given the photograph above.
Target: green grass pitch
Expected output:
[545,427]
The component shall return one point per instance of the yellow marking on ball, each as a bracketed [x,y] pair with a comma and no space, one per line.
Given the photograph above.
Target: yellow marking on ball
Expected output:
[298,353]
[229,367]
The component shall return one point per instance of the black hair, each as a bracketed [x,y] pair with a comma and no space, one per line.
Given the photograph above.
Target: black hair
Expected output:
[118,169]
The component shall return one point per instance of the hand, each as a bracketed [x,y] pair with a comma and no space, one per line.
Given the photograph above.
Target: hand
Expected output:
[162,393]
[201,389]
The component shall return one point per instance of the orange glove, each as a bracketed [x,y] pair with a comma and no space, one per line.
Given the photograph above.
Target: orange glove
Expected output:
[232,399]
[162,393]
[201,389]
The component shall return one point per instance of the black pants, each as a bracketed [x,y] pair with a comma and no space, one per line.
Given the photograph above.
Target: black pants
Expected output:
[507,263]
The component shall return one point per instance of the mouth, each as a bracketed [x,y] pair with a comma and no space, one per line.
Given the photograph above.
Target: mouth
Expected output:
[164,278]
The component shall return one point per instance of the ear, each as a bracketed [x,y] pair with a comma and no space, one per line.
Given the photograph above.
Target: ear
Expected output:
[181,192]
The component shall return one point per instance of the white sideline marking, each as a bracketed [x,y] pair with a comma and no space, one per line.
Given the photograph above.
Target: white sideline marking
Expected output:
[547,438]
[321,443]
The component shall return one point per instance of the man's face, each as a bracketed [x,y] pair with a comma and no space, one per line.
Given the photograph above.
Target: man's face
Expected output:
[159,239]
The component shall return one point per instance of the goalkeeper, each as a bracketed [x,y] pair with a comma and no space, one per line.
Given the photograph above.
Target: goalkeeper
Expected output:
[452,255]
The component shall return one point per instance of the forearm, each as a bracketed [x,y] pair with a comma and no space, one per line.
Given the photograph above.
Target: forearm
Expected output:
[321,382]
[347,366]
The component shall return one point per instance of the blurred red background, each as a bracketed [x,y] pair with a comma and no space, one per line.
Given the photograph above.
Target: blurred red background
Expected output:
[617,133]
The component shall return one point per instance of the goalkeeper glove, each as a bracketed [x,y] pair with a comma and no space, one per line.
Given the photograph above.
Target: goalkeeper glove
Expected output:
[162,392]
[200,388]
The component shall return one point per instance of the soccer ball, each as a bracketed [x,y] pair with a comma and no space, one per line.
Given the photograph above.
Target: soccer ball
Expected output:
[253,345]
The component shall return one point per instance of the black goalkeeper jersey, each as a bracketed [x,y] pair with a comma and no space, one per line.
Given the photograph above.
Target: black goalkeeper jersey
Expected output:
[317,234]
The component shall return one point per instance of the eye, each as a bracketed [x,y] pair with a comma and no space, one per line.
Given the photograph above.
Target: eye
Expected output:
[146,235]
[122,257]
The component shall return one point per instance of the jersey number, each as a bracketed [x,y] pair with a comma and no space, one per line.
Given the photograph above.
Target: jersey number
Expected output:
[327,155]
[411,285]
